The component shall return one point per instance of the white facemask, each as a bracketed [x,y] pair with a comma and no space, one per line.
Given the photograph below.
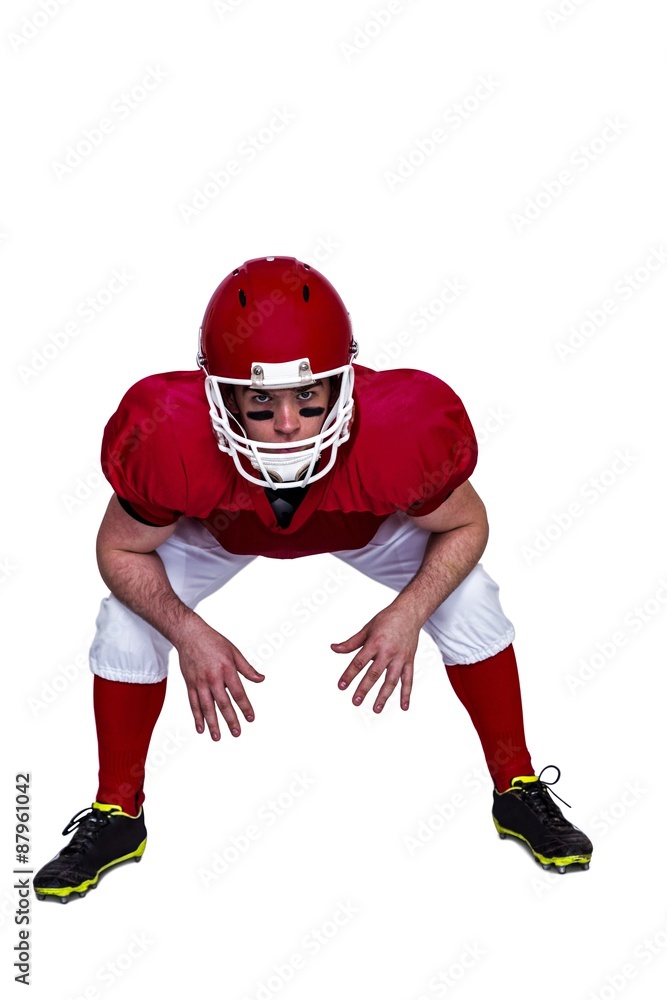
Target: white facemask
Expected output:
[281,470]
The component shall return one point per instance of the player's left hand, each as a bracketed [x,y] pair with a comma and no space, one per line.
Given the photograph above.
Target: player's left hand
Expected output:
[389,643]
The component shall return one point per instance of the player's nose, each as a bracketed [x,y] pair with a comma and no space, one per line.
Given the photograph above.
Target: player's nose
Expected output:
[286,418]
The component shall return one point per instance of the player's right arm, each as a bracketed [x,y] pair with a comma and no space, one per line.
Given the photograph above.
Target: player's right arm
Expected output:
[132,569]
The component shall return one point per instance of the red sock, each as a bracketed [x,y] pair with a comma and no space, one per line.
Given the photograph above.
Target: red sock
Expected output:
[490,692]
[125,716]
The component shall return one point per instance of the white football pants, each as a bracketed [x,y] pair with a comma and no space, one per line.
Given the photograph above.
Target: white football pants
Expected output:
[469,626]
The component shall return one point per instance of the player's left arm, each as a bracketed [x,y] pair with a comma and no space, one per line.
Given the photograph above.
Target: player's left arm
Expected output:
[459,533]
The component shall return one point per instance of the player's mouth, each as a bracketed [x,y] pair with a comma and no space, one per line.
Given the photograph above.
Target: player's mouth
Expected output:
[285,451]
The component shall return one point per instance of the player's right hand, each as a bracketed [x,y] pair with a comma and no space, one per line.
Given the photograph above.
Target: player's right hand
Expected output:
[211,666]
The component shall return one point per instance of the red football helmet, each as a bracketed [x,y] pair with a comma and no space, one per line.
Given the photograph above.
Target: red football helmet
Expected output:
[277,323]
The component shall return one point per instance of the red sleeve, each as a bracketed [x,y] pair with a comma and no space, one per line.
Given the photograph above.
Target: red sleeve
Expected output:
[141,458]
[433,449]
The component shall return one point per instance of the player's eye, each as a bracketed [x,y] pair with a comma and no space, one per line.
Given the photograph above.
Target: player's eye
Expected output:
[306,394]
[261,398]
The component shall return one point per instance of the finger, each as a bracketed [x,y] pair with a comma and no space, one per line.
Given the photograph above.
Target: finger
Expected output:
[196,709]
[354,642]
[361,660]
[227,710]
[237,691]
[246,668]
[208,708]
[387,689]
[406,686]
[370,678]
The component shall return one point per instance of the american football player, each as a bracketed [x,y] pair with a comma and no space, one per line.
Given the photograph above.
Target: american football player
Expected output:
[281,445]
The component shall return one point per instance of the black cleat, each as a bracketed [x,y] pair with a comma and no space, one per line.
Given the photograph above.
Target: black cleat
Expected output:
[104,836]
[527,811]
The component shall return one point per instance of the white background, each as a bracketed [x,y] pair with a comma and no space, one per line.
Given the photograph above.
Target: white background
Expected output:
[360,97]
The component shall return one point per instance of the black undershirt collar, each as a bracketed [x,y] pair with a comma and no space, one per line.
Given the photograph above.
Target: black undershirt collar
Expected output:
[285,503]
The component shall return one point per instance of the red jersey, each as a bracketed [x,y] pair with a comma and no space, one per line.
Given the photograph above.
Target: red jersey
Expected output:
[410,446]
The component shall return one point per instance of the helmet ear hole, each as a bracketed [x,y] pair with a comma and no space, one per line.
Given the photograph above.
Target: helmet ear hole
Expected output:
[306,293]
[242,298]
[229,398]
[334,389]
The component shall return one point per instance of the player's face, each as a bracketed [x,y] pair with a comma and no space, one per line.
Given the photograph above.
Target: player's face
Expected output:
[282,415]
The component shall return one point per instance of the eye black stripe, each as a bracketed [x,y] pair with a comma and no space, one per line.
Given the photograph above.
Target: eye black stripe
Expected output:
[307,411]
